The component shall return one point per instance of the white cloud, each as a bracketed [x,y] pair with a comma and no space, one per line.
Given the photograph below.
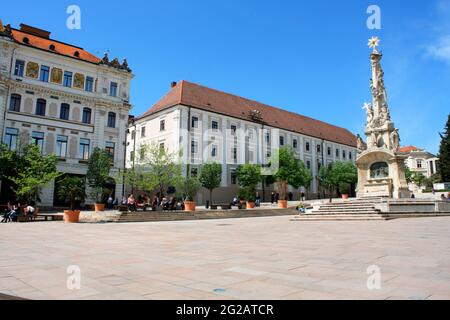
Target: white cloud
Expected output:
[440,49]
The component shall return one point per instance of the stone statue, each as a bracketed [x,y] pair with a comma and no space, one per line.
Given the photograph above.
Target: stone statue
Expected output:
[370,115]
[105,59]
[361,146]
[395,140]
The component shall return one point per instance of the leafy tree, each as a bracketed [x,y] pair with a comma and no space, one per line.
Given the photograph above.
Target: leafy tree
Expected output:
[33,171]
[338,176]
[291,171]
[157,169]
[249,175]
[188,188]
[418,178]
[408,175]
[444,153]
[98,174]
[211,177]
[72,189]
[7,162]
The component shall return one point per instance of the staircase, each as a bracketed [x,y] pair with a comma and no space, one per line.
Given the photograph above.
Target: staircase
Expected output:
[361,209]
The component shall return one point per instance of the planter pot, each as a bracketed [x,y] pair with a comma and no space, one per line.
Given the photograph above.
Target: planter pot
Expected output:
[99,207]
[250,205]
[189,206]
[71,216]
[345,196]
[283,204]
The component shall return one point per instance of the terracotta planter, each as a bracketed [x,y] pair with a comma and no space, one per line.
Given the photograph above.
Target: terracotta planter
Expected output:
[345,196]
[250,205]
[283,204]
[71,216]
[189,206]
[99,207]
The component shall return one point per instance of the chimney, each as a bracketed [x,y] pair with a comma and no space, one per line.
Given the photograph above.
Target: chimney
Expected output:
[173,84]
[34,31]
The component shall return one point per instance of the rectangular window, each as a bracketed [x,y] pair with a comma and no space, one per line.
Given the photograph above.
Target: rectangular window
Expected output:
[89,84]
[65,110]
[329,151]
[109,147]
[10,140]
[20,66]
[308,164]
[194,122]
[214,151]
[14,104]
[233,130]
[84,148]
[295,144]
[281,141]
[350,155]
[133,135]
[162,125]
[307,146]
[40,107]
[61,146]
[67,79]
[214,125]
[419,164]
[113,89]
[234,152]
[87,115]
[194,172]
[267,138]
[337,153]
[143,132]
[318,148]
[343,154]
[45,71]
[37,138]
[111,120]
[194,147]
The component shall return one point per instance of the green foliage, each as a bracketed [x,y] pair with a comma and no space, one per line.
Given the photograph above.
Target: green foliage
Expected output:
[211,177]
[249,175]
[188,188]
[408,175]
[418,178]
[32,171]
[98,173]
[291,171]
[7,162]
[158,169]
[72,189]
[338,176]
[444,153]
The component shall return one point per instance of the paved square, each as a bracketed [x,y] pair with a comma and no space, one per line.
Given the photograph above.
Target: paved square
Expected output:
[256,258]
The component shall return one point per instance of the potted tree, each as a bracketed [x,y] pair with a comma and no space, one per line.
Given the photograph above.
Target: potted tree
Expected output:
[189,187]
[99,166]
[289,171]
[210,177]
[249,175]
[344,188]
[72,189]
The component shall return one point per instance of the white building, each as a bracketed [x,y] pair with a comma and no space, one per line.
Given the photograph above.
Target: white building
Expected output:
[421,161]
[210,125]
[63,99]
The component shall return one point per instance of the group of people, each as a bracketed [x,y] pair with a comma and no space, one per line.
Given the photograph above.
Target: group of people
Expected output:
[13,212]
[143,201]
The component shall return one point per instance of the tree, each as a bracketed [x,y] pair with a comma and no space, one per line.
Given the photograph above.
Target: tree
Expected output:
[418,178]
[33,171]
[249,175]
[157,169]
[211,177]
[408,175]
[338,176]
[72,189]
[290,171]
[444,153]
[98,173]
[7,161]
[188,188]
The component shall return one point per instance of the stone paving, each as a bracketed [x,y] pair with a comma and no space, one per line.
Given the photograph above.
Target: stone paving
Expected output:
[255,258]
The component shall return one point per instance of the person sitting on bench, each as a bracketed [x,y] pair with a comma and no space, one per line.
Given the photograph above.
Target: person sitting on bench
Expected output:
[29,211]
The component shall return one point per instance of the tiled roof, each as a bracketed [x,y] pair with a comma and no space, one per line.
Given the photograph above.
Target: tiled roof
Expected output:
[408,149]
[44,43]
[197,96]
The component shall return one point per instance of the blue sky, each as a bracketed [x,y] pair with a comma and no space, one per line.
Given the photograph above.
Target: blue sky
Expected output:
[309,57]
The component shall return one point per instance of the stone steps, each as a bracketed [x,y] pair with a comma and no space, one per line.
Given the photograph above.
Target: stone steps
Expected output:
[331,217]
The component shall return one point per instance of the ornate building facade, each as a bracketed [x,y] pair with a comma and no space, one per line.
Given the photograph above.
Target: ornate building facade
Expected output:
[208,125]
[63,99]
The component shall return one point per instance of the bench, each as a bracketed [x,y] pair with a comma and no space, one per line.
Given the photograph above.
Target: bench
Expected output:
[52,217]
[222,206]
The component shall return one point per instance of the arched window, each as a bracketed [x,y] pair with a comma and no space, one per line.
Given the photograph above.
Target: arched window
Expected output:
[87,115]
[40,107]
[111,120]
[76,54]
[52,47]
[379,170]
[14,104]
[26,40]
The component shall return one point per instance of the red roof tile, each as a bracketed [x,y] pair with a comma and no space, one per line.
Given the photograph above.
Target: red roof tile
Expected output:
[197,96]
[408,149]
[60,48]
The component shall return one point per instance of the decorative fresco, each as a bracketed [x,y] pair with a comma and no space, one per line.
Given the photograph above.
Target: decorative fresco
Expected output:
[32,70]
[56,76]
[78,81]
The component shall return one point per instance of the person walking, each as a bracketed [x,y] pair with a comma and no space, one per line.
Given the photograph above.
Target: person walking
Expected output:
[258,200]
[272,197]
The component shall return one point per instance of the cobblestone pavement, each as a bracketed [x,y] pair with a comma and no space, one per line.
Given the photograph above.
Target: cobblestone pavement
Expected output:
[257,258]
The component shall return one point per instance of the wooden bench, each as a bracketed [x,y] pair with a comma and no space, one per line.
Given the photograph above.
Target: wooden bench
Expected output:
[52,217]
